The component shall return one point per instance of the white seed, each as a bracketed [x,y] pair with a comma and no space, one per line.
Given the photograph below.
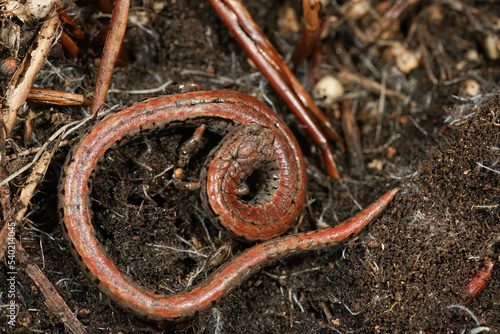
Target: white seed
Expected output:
[472,55]
[470,87]
[491,46]
[408,60]
[328,89]
[355,9]
[375,164]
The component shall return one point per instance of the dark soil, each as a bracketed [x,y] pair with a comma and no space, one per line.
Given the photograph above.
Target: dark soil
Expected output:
[405,273]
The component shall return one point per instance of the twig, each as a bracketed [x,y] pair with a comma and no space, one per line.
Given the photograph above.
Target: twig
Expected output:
[352,136]
[36,176]
[114,39]
[381,107]
[27,192]
[437,51]
[310,33]
[69,44]
[33,150]
[370,85]
[4,189]
[392,15]
[70,24]
[326,310]
[160,89]
[427,62]
[415,123]
[22,80]
[53,300]
[45,145]
[48,96]
[383,147]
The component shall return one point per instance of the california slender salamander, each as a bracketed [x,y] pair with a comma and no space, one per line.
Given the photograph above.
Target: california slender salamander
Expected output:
[280,202]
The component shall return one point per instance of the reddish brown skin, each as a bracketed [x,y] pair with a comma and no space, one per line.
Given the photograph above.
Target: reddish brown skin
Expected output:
[246,117]
[478,282]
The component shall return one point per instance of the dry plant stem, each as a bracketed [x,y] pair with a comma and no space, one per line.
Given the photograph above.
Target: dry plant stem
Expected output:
[412,29]
[52,298]
[69,44]
[28,189]
[427,64]
[350,78]
[436,50]
[114,39]
[34,150]
[3,235]
[352,136]
[280,77]
[17,92]
[342,59]
[4,192]
[315,63]
[25,74]
[393,14]
[28,130]
[310,33]
[75,30]
[48,96]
